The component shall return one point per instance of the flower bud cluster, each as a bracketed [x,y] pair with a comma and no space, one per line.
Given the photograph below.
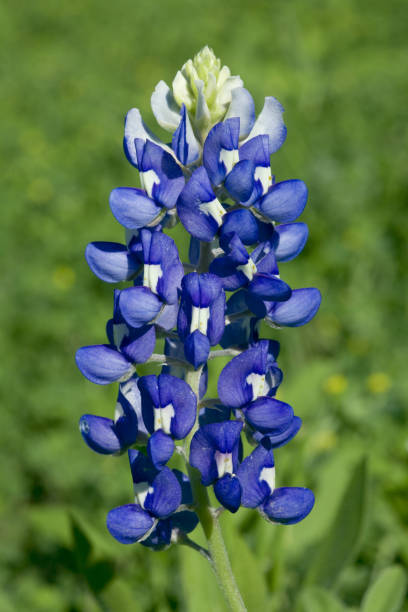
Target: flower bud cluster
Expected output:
[215,178]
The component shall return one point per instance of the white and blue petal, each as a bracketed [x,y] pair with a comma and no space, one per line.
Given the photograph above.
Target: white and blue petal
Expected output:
[132,207]
[163,269]
[102,364]
[288,505]
[220,151]
[136,128]
[184,142]
[168,403]
[129,524]
[160,174]
[257,475]
[242,106]
[164,107]
[270,122]
[199,210]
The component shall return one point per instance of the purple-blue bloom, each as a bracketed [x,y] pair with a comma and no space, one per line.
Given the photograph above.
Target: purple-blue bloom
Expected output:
[215,178]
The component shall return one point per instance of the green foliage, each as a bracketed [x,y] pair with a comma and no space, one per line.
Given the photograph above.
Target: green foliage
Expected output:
[342,541]
[387,593]
[70,72]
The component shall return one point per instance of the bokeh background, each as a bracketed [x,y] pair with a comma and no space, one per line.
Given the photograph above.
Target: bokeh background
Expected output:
[69,72]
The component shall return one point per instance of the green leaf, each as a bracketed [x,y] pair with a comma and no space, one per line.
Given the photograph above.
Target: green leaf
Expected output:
[247,568]
[200,590]
[387,593]
[342,541]
[318,599]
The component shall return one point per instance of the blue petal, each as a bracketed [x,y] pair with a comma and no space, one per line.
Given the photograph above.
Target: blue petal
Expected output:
[202,389]
[166,495]
[194,251]
[216,322]
[141,467]
[242,106]
[202,457]
[289,505]
[289,239]
[99,434]
[268,415]
[185,521]
[224,436]
[102,364]
[257,150]
[164,107]
[129,523]
[228,492]
[201,289]
[139,305]
[111,262]
[159,392]
[280,439]
[284,201]
[129,423]
[184,143]
[132,208]
[241,222]
[169,174]
[161,250]
[240,183]
[222,137]
[136,128]
[214,414]
[196,348]
[160,537]
[254,489]
[160,448]
[186,492]
[298,310]
[233,388]
[270,288]
[240,333]
[139,345]
[167,318]
[270,122]
[198,192]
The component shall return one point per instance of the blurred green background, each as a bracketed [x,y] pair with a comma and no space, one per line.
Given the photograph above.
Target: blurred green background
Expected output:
[70,71]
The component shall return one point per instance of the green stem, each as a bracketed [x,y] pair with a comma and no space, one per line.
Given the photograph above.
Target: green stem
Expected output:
[220,562]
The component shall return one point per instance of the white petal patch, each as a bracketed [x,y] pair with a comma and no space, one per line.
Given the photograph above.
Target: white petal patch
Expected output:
[141,491]
[263,175]
[224,463]
[257,381]
[229,158]
[214,209]
[199,319]
[148,179]
[268,475]
[249,269]
[151,275]
[162,418]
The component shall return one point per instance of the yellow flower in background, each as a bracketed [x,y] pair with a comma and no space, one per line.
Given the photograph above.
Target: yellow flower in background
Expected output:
[63,277]
[336,384]
[378,382]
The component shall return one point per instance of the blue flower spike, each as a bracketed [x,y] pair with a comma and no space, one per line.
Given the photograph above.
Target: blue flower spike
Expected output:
[190,297]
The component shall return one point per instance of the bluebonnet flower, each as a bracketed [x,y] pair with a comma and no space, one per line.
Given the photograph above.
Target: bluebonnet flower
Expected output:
[215,178]
[158,495]
[201,321]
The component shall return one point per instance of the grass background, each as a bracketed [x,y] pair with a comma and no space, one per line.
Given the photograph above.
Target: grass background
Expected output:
[70,71]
